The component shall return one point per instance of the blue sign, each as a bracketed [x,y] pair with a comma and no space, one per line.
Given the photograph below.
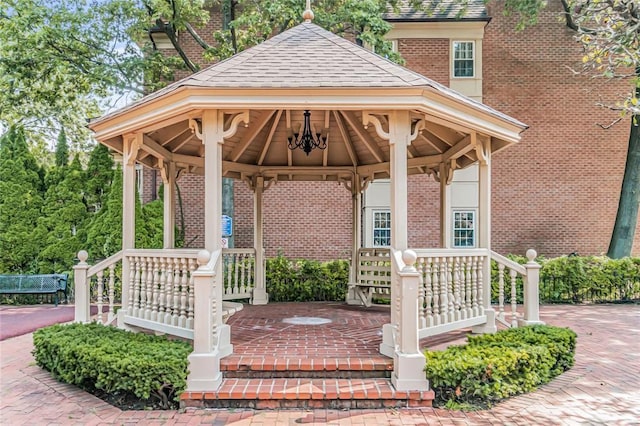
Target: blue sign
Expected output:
[227,226]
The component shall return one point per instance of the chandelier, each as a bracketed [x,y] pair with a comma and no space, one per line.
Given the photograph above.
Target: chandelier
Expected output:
[307,141]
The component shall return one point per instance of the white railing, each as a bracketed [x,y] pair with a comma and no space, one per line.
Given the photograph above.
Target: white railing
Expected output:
[239,273]
[452,286]
[373,275]
[512,277]
[97,284]
[160,290]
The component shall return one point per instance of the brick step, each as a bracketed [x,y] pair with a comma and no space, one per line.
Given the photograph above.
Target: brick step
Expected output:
[335,368]
[306,393]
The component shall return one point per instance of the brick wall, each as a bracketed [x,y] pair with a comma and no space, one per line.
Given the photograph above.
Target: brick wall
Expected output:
[558,190]
[429,57]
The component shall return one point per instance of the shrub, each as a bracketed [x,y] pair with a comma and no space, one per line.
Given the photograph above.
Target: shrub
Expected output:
[577,279]
[306,280]
[113,360]
[493,367]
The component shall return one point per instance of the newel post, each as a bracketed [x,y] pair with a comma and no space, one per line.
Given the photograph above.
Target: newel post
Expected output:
[409,361]
[532,291]
[204,361]
[81,285]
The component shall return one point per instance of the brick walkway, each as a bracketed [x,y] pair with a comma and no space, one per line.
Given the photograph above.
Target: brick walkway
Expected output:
[602,388]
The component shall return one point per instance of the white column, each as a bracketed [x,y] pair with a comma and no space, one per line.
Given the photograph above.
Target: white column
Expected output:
[169,181]
[260,296]
[484,230]
[204,361]
[212,138]
[399,134]
[408,374]
[131,145]
[445,206]
[356,211]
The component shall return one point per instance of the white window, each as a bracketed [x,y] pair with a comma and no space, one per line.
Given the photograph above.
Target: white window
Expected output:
[463,59]
[464,228]
[382,228]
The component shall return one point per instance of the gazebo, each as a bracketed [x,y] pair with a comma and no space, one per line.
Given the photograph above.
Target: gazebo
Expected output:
[305,105]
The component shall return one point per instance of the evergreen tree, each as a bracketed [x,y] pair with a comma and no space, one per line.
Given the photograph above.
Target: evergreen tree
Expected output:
[62,150]
[20,204]
[64,217]
[99,177]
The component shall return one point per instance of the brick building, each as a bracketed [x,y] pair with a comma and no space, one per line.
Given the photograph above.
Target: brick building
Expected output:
[556,191]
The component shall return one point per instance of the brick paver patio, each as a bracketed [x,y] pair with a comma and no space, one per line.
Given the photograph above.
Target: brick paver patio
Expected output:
[602,388]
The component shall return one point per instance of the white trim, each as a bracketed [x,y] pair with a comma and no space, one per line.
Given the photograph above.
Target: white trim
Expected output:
[473,59]
[373,226]
[474,228]
[418,30]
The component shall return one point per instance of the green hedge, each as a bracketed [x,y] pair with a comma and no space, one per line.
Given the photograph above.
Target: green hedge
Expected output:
[493,367]
[577,279]
[113,360]
[306,280]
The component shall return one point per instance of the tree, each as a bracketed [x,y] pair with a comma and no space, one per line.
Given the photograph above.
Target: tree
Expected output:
[63,218]
[99,176]
[609,31]
[62,150]
[20,204]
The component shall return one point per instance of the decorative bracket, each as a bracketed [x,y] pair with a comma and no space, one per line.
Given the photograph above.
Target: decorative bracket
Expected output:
[196,128]
[369,118]
[482,146]
[446,173]
[419,126]
[135,143]
[237,119]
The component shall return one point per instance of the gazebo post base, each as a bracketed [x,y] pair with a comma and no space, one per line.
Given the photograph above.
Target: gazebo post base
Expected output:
[408,374]
[259,297]
[204,372]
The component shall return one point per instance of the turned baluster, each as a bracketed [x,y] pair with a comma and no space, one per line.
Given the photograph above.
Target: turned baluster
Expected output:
[501,291]
[112,287]
[132,283]
[100,290]
[444,291]
[435,279]
[136,285]
[155,289]
[193,265]
[168,291]
[474,285]
[456,289]
[469,287]
[422,322]
[176,291]
[184,288]
[162,283]
[514,301]
[429,291]
[480,285]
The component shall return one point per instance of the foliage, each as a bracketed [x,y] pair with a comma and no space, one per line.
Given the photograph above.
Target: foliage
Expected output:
[99,177]
[609,31]
[62,150]
[21,202]
[104,234]
[306,280]
[493,367]
[577,279]
[95,356]
[64,215]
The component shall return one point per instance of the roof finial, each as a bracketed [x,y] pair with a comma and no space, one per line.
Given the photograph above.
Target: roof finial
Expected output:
[308,14]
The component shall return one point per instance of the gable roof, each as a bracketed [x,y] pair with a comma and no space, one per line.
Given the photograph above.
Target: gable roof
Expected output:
[441,10]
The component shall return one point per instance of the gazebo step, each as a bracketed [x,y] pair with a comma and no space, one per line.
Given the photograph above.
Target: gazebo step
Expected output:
[330,368]
[306,393]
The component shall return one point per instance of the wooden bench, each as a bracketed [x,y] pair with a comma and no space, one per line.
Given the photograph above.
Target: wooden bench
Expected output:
[374,275]
[35,284]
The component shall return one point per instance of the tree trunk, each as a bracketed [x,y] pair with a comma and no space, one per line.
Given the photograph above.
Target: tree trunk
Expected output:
[627,216]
